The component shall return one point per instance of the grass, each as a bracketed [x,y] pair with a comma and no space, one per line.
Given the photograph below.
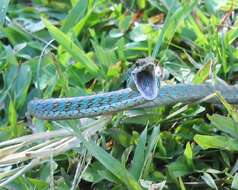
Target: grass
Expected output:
[74,48]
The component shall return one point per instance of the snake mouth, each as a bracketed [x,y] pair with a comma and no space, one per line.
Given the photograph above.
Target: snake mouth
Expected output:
[145,81]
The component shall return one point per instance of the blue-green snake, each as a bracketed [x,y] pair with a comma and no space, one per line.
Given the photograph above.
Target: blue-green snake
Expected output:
[144,92]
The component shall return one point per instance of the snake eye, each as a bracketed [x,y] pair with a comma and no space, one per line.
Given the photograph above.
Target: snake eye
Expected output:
[140,62]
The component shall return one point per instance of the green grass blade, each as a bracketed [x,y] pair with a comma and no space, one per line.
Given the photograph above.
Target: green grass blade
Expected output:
[77,53]
[13,118]
[139,156]
[234,184]
[232,34]
[188,154]
[3,10]
[203,74]
[232,110]
[109,162]
[209,181]
[150,149]
[77,12]
[81,24]
[171,24]
[201,37]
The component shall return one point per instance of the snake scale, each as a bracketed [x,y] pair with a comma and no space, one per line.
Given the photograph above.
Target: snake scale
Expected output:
[144,93]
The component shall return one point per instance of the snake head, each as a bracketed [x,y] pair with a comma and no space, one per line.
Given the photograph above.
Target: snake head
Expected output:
[145,79]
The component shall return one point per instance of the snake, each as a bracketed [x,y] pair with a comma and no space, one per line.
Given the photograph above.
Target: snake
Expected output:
[143,91]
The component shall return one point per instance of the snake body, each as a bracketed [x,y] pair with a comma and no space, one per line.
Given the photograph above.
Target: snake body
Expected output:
[146,94]
[85,106]
[144,86]
[106,103]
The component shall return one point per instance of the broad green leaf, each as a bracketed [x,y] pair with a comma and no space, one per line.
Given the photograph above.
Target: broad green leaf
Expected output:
[139,156]
[106,159]
[76,13]
[11,58]
[140,33]
[91,174]
[39,184]
[19,183]
[216,141]
[115,33]
[9,81]
[224,124]
[141,3]
[47,75]
[16,35]
[178,168]
[120,136]
[137,46]
[125,22]
[209,181]
[71,47]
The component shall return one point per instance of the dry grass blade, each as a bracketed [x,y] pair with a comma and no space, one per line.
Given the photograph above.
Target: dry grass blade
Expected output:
[38,148]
